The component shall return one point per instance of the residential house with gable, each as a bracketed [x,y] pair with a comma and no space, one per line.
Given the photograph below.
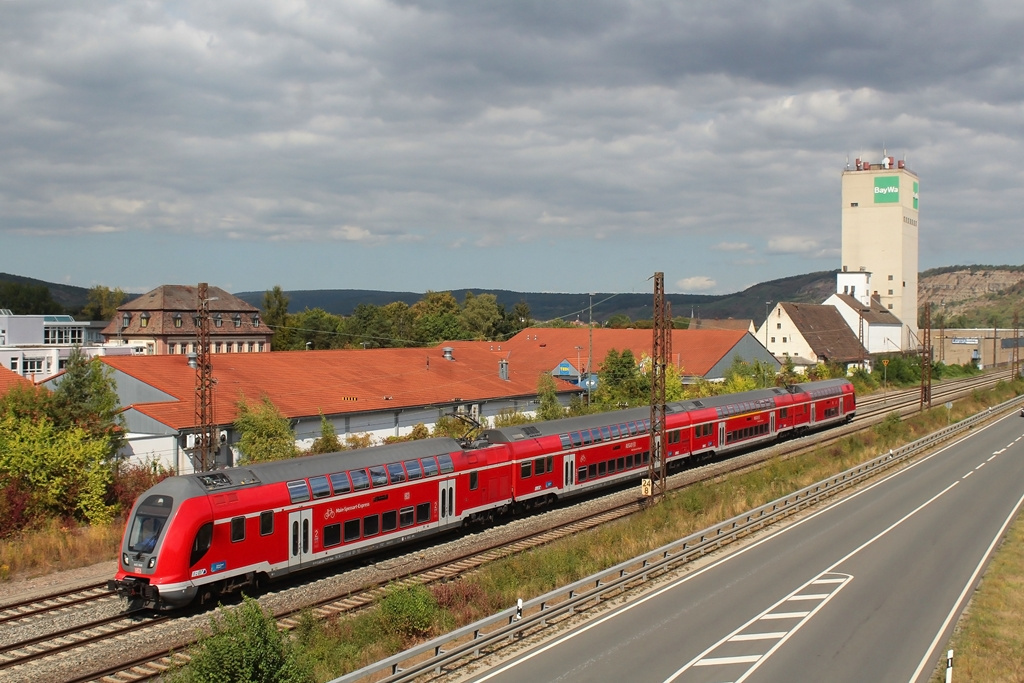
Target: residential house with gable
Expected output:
[809,334]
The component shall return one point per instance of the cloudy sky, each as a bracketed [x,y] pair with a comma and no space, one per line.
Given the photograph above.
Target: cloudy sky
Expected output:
[517,144]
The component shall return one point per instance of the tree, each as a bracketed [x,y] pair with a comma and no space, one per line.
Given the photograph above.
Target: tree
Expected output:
[245,646]
[549,407]
[56,471]
[275,315]
[619,321]
[265,433]
[316,329]
[103,302]
[25,299]
[328,441]
[619,381]
[481,316]
[86,397]
[437,318]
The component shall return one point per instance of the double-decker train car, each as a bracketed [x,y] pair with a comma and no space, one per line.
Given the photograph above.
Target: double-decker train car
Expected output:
[195,537]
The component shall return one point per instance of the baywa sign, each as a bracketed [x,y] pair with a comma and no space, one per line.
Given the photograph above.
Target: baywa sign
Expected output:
[887,190]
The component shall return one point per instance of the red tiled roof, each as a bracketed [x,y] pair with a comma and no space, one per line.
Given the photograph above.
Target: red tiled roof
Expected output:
[304,383]
[694,351]
[9,380]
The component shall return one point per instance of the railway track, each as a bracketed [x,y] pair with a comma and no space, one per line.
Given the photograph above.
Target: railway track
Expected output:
[149,665]
[35,607]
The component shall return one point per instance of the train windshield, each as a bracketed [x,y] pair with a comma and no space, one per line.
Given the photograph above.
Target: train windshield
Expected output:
[148,523]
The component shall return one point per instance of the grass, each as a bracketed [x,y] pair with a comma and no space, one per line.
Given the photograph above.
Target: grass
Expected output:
[56,547]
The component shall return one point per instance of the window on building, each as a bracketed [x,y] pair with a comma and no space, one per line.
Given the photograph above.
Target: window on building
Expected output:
[218,320]
[255,321]
[177,319]
[890,278]
[238,347]
[126,319]
[172,348]
[773,340]
[778,326]
[144,319]
[890,291]
[890,307]
[237,319]
[783,340]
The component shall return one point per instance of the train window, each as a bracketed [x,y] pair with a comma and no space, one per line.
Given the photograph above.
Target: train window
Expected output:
[538,466]
[550,463]
[586,437]
[396,472]
[602,468]
[405,517]
[622,464]
[591,471]
[339,481]
[606,433]
[332,535]
[629,462]
[414,469]
[581,474]
[390,519]
[614,429]
[321,489]
[646,457]
[378,475]
[423,513]
[577,440]
[632,428]
[525,469]
[371,525]
[298,491]
[647,425]
[359,479]
[201,543]
[429,466]
[149,521]
[445,461]
[473,481]
[266,523]
[783,412]
[673,436]
[565,440]
[351,530]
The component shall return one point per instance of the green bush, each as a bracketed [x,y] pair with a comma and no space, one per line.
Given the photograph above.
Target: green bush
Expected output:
[408,612]
[245,647]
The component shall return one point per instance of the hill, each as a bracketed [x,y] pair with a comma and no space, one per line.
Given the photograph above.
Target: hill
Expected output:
[813,287]
[966,296]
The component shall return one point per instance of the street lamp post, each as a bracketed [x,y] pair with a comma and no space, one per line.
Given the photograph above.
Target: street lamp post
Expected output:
[767,304]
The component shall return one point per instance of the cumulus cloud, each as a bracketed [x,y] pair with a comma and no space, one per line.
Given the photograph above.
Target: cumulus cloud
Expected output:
[698,283]
[713,131]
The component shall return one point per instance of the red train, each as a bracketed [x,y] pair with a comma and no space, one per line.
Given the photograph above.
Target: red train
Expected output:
[198,536]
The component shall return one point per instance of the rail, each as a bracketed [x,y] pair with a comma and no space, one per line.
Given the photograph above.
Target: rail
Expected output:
[509,624]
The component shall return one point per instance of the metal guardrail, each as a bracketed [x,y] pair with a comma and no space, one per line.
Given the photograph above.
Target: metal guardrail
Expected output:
[511,623]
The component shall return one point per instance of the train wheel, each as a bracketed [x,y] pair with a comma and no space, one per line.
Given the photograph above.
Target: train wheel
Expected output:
[209,595]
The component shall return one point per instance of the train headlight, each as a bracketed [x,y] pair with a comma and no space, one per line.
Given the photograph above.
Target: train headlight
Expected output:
[152,563]
[124,558]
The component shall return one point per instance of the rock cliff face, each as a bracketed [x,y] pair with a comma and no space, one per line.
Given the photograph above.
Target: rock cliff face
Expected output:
[958,290]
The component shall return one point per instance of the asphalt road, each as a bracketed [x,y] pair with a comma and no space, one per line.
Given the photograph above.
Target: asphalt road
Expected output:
[865,589]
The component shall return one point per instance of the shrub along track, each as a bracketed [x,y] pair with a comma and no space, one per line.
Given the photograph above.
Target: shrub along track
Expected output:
[127,660]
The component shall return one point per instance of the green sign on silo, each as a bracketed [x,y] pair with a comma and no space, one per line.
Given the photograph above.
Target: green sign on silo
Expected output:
[887,189]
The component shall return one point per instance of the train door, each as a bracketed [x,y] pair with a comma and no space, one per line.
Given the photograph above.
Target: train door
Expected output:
[721,434]
[568,472]
[771,422]
[446,502]
[814,413]
[300,537]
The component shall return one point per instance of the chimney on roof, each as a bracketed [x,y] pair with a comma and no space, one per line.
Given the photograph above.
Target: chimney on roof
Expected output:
[503,369]
[447,351]
[192,360]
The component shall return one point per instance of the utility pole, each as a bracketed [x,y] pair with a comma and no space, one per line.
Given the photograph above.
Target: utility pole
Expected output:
[204,383]
[657,467]
[926,359]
